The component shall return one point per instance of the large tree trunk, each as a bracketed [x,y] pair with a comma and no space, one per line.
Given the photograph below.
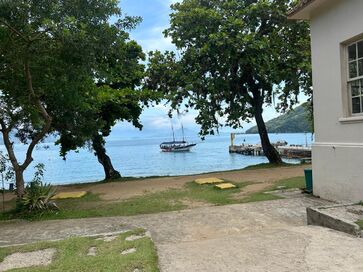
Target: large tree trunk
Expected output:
[18,170]
[104,159]
[19,179]
[268,149]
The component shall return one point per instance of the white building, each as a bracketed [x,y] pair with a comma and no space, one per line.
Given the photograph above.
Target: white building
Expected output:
[337,52]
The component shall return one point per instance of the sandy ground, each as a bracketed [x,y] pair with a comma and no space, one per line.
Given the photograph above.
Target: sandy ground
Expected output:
[267,236]
[128,189]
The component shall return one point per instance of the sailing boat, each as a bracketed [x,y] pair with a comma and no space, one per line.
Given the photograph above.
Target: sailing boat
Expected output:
[176,146]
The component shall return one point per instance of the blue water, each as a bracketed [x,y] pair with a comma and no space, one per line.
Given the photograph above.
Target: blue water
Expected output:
[142,157]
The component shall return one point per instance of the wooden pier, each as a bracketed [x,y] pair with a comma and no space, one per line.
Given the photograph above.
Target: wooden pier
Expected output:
[285,150]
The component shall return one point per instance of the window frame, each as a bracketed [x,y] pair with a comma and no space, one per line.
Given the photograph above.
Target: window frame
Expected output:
[348,80]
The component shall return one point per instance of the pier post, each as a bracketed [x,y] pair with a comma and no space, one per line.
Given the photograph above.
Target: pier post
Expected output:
[232,139]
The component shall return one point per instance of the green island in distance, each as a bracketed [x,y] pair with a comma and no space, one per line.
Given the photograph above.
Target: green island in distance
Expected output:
[294,121]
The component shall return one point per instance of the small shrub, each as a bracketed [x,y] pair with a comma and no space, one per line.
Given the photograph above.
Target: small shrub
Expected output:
[38,195]
[38,198]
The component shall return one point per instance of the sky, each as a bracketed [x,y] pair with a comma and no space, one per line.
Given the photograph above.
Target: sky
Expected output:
[148,34]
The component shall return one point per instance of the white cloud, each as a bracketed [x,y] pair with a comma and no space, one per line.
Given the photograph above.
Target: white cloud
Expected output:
[157,118]
[159,122]
[158,43]
[151,38]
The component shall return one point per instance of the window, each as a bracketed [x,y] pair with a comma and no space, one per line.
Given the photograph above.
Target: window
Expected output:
[355,76]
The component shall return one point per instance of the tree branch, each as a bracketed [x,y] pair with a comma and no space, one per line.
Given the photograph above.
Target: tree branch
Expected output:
[47,118]
[15,31]
[8,144]
[3,126]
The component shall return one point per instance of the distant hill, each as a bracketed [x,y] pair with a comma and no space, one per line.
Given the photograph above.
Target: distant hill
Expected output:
[294,121]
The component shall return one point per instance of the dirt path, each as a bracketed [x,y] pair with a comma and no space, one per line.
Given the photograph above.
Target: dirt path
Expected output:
[128,189]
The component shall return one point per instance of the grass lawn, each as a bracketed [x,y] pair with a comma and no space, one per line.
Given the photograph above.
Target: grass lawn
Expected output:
[360,223]
[171,200]
[72,254]
[291,183]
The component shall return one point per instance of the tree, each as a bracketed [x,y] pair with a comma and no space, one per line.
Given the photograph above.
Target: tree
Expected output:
[110,106]
[49,55]
[117,79]
[236,57]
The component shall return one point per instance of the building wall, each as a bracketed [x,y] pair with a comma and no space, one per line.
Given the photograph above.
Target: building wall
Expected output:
[338,151]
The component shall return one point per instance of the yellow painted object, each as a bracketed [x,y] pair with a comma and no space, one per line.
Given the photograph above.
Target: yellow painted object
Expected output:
[69,195]
[208,181]
[225,186]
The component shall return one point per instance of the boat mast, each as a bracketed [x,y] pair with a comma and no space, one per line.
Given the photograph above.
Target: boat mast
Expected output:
[181,124]
[172,129]
[182,127]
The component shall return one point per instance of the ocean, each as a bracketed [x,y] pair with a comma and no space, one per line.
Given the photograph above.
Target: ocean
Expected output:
[142,158]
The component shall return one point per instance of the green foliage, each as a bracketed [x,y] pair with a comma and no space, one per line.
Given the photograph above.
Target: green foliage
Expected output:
[235,58]
[38,195]
[81,77]
[37,198]
[115,97]
[360,224]
[294,121]
[60,41]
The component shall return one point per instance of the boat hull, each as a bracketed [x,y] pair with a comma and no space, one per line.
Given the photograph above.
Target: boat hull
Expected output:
[178,149]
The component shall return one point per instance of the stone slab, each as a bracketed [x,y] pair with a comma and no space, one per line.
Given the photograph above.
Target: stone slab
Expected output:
[225,186]
[28,259]
[320,216]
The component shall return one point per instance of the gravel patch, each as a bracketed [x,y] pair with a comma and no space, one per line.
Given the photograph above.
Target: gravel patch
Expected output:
[28,259]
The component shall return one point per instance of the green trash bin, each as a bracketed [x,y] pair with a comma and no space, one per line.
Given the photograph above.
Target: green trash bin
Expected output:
[309,180]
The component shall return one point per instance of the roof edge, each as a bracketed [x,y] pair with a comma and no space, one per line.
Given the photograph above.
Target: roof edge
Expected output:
[306,9]
[303,4]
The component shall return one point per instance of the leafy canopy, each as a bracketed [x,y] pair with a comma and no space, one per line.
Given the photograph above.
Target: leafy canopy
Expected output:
[77,59]
[235,57]
[62,41]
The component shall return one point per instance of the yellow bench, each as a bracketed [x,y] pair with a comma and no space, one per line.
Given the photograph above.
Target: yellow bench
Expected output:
[69,195]
[208,181]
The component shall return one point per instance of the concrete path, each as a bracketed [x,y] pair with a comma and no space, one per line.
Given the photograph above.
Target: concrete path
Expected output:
[266,236]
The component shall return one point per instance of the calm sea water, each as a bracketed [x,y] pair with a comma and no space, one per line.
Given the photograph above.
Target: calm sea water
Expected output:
[142,157]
